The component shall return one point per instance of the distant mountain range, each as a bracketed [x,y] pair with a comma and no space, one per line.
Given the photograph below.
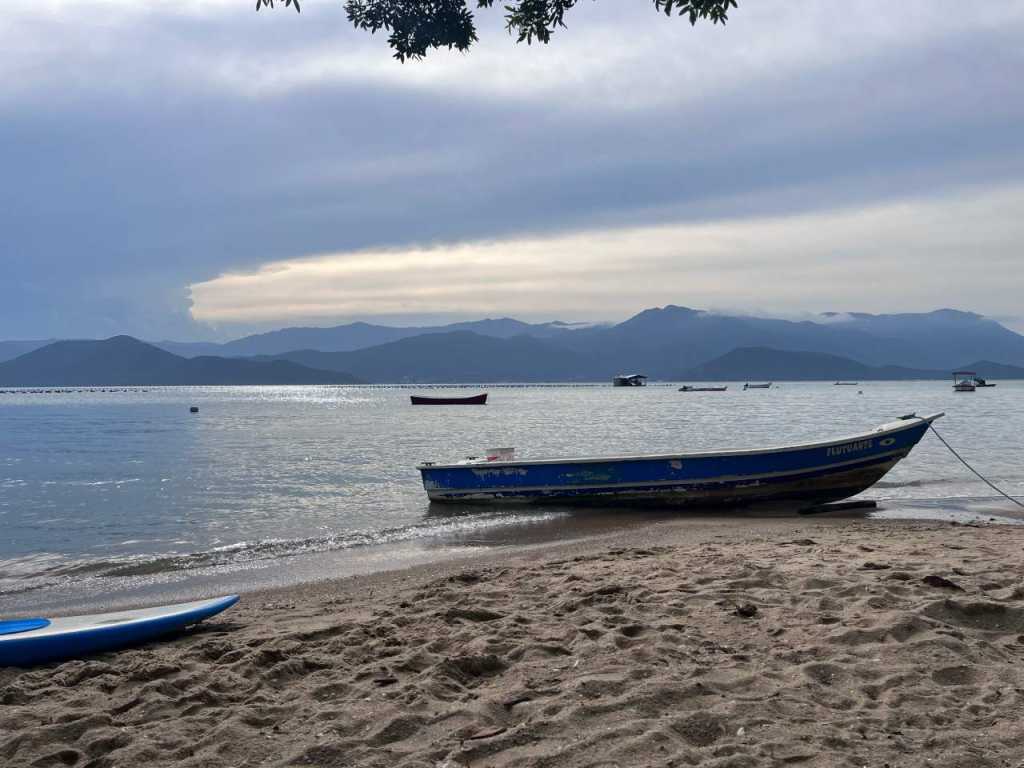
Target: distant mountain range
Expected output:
[662,342]
[669,343]
[346,338]
[468,357]
[458,356]
[124,361]
[668,339]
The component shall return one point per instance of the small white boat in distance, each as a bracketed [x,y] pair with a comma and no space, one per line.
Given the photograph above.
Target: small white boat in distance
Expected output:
[963,381]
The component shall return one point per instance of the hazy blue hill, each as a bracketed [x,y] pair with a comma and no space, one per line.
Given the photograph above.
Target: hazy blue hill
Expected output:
[506,328]
[341,338]
[663,341]
[353,336]
[191,348]
[12,349]
[223,370]
[114,360]
[125,361]
[761,363]
[939,339]
[459,356]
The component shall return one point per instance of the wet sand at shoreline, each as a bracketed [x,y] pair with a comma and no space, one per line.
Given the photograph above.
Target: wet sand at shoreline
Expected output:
[119,584]
[711,642]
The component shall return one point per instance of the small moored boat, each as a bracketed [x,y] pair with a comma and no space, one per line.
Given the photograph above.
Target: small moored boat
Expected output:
[688,388]
[813,473]
[846,384]
[748,385]
[471,400]
[963,381]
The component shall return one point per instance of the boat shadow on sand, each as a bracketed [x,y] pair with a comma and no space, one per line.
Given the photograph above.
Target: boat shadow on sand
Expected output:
[516,525]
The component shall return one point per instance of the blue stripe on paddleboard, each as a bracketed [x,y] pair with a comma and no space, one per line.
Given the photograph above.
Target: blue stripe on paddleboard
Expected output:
[14,626]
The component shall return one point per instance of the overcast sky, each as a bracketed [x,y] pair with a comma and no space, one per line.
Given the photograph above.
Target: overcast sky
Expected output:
[194,169]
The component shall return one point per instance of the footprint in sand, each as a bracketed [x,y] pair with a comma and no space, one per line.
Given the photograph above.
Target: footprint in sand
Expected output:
[959,675]
[981,615]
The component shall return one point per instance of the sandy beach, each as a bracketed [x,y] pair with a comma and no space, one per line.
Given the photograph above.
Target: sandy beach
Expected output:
[772,642]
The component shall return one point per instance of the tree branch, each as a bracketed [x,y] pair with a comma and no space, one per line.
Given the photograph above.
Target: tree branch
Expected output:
[415,27]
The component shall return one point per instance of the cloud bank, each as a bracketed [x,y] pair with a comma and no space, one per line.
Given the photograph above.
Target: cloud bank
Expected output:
[779,264]
[176,167]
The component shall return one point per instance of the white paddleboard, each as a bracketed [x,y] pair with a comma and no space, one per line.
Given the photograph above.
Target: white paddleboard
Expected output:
[24,642]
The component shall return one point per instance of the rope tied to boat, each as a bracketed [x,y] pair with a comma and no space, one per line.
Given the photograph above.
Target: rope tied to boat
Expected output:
[984,479]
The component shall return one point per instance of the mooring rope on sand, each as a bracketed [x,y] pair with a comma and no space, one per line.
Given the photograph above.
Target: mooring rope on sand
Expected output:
[988,482]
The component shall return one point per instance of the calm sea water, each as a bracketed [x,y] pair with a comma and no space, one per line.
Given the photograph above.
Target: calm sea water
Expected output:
[103,489]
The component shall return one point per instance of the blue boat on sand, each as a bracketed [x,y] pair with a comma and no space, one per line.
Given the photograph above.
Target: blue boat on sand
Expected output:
[812,474]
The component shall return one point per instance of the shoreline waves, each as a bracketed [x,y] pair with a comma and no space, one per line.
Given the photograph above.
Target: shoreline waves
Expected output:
[51,583]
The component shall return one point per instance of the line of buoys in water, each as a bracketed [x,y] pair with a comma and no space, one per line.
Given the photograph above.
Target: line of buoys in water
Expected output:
[65,391]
